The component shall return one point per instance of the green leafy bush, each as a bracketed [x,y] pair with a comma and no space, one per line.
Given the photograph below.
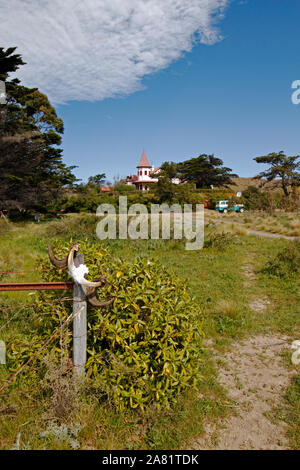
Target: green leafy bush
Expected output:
[286,263]
[146,348]
[79,225]
[220,241]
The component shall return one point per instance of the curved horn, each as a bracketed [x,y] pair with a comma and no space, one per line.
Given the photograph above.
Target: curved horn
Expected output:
[59,263]
[92,295]
[70,257]
[91,284]
[72,268]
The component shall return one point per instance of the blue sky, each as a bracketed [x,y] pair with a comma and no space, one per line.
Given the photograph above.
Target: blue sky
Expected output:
[231,98]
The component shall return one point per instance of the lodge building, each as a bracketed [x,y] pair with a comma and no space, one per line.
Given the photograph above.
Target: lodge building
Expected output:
[145,176]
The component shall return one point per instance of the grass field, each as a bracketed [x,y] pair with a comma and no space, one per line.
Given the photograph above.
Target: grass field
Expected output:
[278,223]
[237,300]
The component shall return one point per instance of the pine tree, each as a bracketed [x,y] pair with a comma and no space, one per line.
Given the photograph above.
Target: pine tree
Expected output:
[31,166]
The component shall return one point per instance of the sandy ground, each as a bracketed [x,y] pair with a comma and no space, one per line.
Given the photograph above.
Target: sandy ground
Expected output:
[255,376]
[270,235]
[259,304]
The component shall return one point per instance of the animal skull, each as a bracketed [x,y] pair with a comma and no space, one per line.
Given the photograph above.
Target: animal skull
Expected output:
[78,272]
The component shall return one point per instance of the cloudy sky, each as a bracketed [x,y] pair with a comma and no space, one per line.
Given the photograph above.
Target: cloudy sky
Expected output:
[96,49]
[176,77]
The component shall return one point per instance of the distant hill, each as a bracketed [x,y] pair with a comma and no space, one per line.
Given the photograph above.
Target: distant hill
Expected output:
[243,183]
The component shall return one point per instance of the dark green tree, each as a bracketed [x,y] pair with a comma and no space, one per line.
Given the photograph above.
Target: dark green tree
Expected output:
[97,180]
[281,167]
[164,190]
[254,198]
[206,171]
[31,166]
[9,62]
[169,170]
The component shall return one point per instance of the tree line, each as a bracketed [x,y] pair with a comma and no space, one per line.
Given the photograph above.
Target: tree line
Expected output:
[34,176]
[31,166]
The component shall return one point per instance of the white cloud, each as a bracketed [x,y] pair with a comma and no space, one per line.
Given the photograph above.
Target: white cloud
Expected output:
[95,49]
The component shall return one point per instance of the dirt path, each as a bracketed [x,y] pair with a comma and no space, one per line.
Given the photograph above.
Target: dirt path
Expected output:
[261,302]
[259,233]
[255,377]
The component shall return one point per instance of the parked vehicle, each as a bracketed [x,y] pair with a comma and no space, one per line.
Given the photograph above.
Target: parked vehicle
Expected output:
[224,207]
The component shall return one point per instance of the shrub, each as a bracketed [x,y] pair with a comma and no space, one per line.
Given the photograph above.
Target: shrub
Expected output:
[292,413]
[124,188]
[228,318]
[75,225]
[254,199]
[146,348]
[217,240]
[62,388]
[286,263]
[5,226]
[213,195]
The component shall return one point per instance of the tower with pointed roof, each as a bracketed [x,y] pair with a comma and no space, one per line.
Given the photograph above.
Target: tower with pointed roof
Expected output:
[144,178]
[144,163]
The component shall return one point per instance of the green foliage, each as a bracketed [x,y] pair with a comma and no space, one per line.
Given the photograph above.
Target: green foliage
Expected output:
[122,188]
[283,167]
[286,263]
[143,350]
[87,202]
[75,225]
[228,324]
[213,195]
[97,179]
[254,199]
[292,416]
[4,226]
[218,278]
[86,198]
[220,241]
[31,166]
[201,172]
[169,170]
[9,62]
[205,170]
[164,190]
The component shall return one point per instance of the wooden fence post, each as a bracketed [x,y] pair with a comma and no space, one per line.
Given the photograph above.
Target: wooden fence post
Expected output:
[79,323]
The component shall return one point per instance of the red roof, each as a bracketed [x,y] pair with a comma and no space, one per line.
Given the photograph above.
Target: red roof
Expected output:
[144,163]
[132,178]
[143,182]
[156,170]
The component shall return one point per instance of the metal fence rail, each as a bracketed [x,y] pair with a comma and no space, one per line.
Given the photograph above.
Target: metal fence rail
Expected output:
[18,286]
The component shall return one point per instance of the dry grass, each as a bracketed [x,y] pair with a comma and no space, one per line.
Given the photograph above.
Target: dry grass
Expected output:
[217,281]
[283,224]
[241,184]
